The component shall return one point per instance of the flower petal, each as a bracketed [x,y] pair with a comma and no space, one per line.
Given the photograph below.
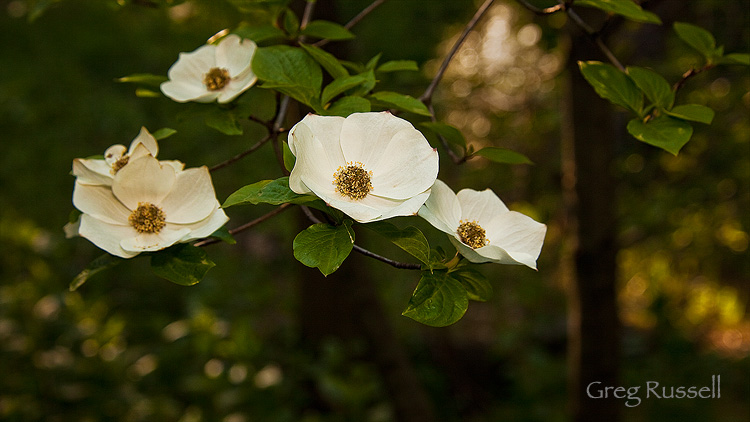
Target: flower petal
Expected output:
[205,227]
[317,160]
[148,242]
[364,136]
[99,202]
[143,180]
[480,206]
[442,208]
[114,153]
[186,76]
[147,140]
[92,172]
[192,197]
[327,129]
[106,236]
[235,54]
[409,166]
[182,92]
[518,235]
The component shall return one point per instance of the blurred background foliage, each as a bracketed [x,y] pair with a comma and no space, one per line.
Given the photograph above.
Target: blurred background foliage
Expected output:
[130,346]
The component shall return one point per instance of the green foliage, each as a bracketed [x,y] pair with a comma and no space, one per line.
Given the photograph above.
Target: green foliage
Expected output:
[448,132]
[700,39]
[410,239]
[329,62]
[398,65]
[613,85]
[324,246]
[665,132]
[101,263]
[653,85]
[401,102]
[627,8]
[274,192]
[181,264]
[326,30]
[438,301]
[290,71]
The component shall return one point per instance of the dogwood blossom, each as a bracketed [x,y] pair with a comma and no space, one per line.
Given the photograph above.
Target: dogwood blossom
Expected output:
[212,72]
[482,228]
[371,166]
[148,207]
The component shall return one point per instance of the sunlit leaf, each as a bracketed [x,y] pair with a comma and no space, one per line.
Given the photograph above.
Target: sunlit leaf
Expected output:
[613,85]
[163,133]
[274,192]
[329,62]
[653,85]
[340,85]
[323,246]
[665,132]
[439,300]
[736,58]
[144,79]
[259,33]
[398,65]
[326,30]
[627,8]
[693,112]
[400,102]
[698,38]
[502,155]
[290,71]
[410,239]
[348,105]
[448,132]
[182,264]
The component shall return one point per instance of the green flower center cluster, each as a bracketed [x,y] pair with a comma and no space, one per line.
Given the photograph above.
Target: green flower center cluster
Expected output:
[353,181]
[147,218]
[216,78]
[472,234]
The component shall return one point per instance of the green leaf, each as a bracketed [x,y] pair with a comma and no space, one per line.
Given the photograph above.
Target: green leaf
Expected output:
[260,103]
[665,132]
[182,264]
[653,85]
[144,79]
[348,105]
[698,38]
[439,300]
[476,284]
[259,33]
[693,112]
[274,192]
[502,155]
[410,239]
[222,233]
[398,65]
[448,132]
[224,121]
[163,133]
[373,62]
[736,58]
[369,84]
[326,30]
[613,85]
[401,102]
[290,22]
[337,86]
[626,8]
[290,71]
[96,266]
[289,158]
[146,93]
[324,246]
[329,62]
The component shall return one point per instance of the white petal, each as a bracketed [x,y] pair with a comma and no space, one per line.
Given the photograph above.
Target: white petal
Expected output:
[235,54]
[183,91]
[106,236]
[357,211]
[487,253]
[143,180]
[327,129]
[192,197]
[92,172]
[409,166]
[364,136]
[234,88]
[442,208]
[147,140]
[147,242]
[114,153]
[480,206]
[407,207]
[99,202]
[186,76]
[205,227]
[518,235]
[316,162]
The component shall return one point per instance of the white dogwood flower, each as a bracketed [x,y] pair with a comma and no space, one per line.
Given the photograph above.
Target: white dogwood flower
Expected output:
[150,206]
[482,228]
[212,72]
[371,166]
[101,171]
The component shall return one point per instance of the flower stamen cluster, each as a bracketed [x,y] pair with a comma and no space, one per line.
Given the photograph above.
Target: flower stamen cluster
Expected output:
[472,234]
[216,78]
[353,181]
[147,218]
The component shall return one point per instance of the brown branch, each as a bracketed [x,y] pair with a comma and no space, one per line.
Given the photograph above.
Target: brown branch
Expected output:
[355,20]
[543,11]
[242,154]
[427,96]
[279,210]
[689,74]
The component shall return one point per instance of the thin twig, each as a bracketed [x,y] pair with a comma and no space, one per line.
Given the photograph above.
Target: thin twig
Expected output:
[242,154]
[687,75]
[355,20]
[427,96]
[277,129]
[454,157]
[307,14]
[545,11]
[279,210]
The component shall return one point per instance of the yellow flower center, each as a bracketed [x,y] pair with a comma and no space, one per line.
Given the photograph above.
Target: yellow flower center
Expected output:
[147,218]
[353,181]
[117,165]
[216,78]
[472,234]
